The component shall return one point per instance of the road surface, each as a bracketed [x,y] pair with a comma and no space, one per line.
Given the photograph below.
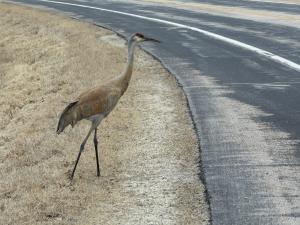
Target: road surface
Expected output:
[245,106]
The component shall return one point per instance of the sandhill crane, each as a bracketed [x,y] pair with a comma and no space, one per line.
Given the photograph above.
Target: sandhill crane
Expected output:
[95,104]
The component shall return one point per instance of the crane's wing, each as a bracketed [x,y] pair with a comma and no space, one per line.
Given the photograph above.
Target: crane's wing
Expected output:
[97,101]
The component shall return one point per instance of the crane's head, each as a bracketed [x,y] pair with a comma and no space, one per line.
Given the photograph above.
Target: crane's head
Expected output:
[139,37]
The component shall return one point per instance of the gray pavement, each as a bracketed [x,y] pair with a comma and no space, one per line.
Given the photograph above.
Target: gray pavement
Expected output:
[244,106]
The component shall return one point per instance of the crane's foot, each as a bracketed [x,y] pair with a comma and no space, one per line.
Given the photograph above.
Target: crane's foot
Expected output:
[71,177]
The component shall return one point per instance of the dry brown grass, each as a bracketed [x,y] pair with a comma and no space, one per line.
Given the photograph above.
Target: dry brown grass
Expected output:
[148,148]
[268,16]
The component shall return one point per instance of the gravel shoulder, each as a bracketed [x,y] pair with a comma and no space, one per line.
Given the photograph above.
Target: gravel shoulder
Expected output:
[149,150]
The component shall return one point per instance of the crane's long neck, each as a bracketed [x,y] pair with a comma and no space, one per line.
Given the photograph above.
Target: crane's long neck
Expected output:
[126,75]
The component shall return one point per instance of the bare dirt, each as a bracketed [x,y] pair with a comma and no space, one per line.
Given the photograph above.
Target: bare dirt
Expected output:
[149,150]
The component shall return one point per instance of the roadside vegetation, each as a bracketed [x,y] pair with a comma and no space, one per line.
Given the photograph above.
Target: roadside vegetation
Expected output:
[148,148]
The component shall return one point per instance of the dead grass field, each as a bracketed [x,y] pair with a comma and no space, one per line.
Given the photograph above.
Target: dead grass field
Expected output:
[148,148]
[297,2]
[274,17]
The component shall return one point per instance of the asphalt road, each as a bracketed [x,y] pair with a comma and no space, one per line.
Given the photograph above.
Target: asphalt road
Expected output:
[245,106]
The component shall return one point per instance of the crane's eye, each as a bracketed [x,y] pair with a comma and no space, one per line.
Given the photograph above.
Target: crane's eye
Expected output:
[140,35]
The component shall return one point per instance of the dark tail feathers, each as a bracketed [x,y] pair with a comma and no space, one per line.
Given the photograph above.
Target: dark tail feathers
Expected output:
[62,123]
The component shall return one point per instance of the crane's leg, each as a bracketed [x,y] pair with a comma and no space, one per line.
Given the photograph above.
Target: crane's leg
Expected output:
[82,147]
[96,150]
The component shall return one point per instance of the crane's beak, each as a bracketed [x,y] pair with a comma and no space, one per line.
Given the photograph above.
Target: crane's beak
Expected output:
[152,39]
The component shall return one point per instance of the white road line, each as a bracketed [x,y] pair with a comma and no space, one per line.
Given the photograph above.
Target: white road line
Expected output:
[251,48]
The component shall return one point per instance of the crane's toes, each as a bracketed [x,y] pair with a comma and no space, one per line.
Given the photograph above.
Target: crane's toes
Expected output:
[71,178]
[69,175]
